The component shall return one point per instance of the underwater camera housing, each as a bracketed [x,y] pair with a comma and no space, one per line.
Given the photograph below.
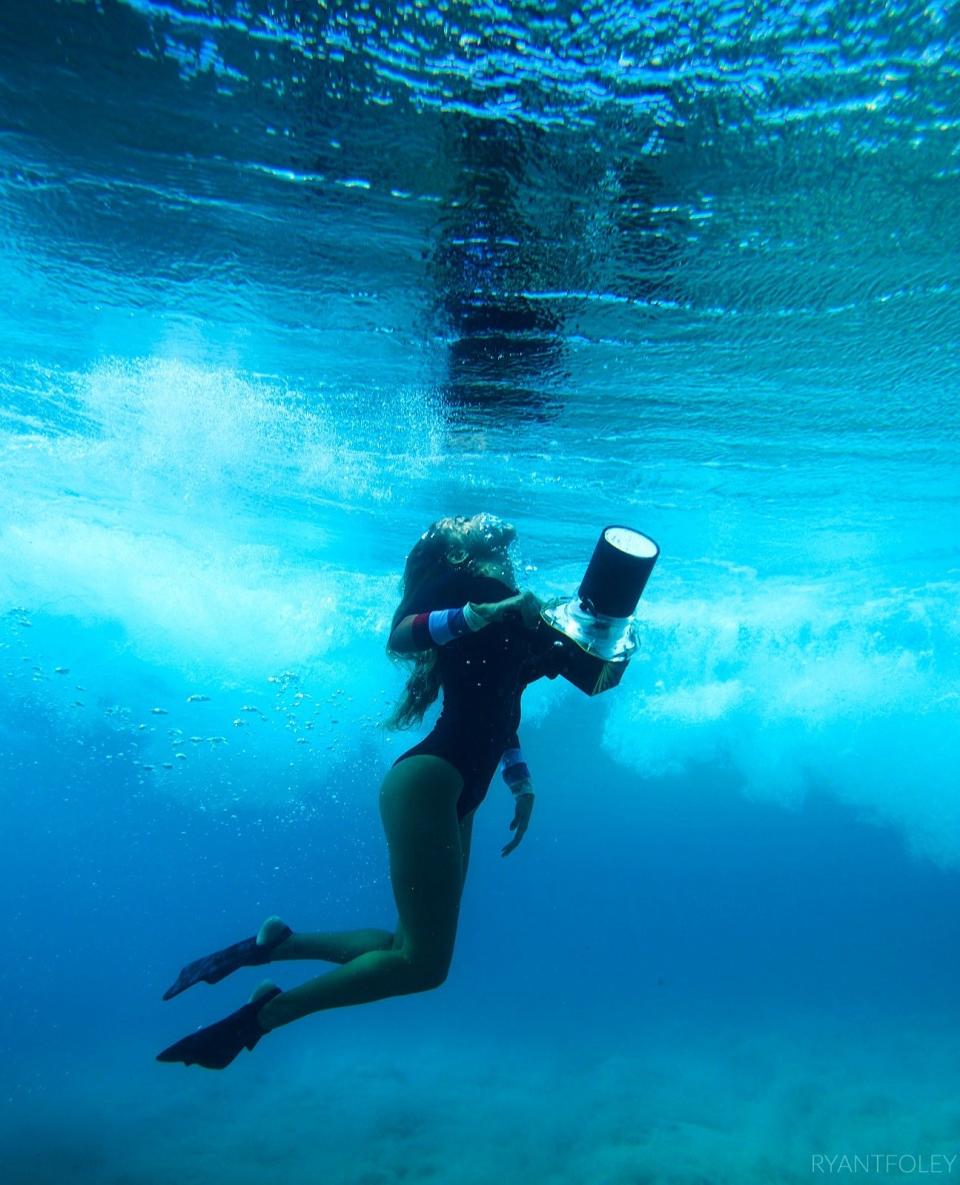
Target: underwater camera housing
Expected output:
[596,628]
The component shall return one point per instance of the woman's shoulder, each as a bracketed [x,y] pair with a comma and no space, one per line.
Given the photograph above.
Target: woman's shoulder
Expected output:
[450,590]
[488,588]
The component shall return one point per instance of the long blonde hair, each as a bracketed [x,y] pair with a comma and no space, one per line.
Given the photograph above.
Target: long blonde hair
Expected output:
[445,546]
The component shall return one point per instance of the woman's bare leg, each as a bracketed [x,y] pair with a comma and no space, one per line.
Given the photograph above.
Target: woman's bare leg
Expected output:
[466,834]
[418,806]
[340,946]
[337,946]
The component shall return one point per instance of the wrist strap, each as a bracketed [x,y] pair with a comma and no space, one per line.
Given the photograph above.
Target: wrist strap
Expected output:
[445,625]
[515,771]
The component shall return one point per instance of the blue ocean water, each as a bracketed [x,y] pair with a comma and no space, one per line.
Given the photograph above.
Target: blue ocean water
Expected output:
[281,283]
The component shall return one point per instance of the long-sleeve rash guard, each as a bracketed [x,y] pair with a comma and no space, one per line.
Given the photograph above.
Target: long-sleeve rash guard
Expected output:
[482,676]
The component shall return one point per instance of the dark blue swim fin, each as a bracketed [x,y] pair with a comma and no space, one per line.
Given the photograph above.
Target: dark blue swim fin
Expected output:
[213,968]
[218,1044]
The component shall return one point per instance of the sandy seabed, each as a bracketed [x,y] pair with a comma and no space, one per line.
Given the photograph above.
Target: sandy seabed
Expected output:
[401,1102]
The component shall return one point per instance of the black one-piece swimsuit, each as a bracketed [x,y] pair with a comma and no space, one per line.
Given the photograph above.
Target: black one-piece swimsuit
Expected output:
[482,676]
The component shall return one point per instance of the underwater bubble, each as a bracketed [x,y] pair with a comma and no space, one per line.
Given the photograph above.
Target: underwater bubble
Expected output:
[284,679]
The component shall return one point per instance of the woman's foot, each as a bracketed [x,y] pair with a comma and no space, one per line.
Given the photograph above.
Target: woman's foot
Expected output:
[273,932]
[250,952]
[266,987]
[218,1044]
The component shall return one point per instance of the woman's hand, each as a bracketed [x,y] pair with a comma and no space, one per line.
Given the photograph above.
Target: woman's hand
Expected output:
[525,605]
[523,809]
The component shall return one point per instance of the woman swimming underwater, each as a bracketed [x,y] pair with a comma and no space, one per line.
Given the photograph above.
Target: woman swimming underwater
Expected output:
[468,632]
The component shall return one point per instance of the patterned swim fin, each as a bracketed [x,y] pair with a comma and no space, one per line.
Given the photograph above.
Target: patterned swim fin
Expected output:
[218,1044]
[213,968]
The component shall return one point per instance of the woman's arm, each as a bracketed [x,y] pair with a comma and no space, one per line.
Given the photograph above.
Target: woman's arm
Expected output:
[420,631]
[517,776]
[515,771]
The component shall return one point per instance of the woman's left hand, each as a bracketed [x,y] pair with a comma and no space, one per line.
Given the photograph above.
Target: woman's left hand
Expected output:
[523,809]
[525,605]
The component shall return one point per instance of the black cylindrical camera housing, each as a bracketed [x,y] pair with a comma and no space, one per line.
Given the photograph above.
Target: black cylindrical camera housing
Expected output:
[618,571]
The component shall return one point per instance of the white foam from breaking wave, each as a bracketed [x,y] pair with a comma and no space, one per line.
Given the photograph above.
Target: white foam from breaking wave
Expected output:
[796,688]
[795,684]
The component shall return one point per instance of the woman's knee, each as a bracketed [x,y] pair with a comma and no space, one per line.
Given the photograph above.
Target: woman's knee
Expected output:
[425,974]
[428,977]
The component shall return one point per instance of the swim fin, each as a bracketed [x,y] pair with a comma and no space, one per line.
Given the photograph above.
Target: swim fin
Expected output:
[218,1044]
[213,968]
